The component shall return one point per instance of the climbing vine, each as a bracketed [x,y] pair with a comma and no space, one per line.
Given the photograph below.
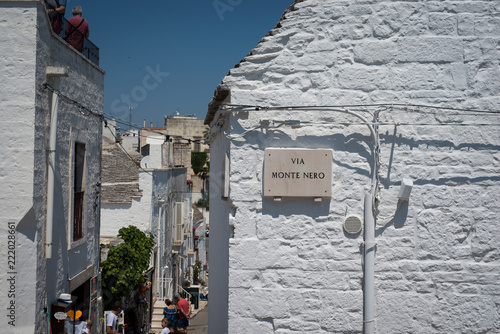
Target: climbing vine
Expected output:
[122,271]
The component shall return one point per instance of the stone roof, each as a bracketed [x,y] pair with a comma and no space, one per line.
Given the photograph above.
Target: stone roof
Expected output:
[197,214]
[120,175]
[342,53]
[222,91]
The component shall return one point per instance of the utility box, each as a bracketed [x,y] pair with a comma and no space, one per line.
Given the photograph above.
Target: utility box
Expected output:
[194,290]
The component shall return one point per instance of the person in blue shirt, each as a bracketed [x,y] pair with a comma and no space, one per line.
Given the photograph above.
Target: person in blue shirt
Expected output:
[170,313]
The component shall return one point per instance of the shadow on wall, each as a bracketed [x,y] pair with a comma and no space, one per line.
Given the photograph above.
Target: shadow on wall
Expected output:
[394,140]
[398,220]
[296,205]
[353,144]
[27,225]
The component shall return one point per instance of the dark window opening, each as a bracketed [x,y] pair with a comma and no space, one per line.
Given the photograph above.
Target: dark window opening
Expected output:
[79,191]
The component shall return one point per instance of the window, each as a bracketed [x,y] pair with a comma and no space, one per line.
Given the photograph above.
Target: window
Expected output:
[78,191]
[197,144]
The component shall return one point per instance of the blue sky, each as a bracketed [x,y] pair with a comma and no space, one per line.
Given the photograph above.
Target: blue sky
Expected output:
[164,55]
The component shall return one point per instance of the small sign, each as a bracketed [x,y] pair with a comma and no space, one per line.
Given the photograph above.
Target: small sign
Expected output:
[297,172]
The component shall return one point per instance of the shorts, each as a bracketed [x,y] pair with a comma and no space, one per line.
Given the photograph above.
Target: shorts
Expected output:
[172,323]
[182,323]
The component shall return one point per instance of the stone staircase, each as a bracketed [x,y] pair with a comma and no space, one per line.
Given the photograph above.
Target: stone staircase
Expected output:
[157,316]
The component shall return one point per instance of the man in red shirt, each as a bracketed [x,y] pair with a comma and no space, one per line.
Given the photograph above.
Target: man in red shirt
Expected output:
[183,307]
[77,29]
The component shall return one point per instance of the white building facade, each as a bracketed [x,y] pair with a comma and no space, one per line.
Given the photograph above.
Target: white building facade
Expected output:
[156,200]
[50,172]
[398,102]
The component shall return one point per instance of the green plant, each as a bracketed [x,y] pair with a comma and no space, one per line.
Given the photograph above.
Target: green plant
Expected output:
[196,271]
[199,163]
[122,271]
[203,203]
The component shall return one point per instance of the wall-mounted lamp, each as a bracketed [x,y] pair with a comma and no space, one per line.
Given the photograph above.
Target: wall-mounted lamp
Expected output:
[405,189]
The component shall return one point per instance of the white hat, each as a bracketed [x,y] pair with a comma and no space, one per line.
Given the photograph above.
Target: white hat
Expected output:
[65,297]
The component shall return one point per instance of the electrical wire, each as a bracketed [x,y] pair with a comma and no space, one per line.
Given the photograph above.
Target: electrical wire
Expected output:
[355,110]
[400,106]
[67,99]
[153,137]
[229,108]
[138,127]
[298,124]
[125,151]
[104,116]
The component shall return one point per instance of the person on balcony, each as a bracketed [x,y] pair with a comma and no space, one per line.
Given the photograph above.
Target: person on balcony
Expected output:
[76,29]
[55,10]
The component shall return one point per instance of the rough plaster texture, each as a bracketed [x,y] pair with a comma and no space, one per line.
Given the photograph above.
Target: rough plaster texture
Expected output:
[289,267]
[28,47]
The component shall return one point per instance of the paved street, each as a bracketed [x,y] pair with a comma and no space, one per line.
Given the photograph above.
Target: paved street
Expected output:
[199,323]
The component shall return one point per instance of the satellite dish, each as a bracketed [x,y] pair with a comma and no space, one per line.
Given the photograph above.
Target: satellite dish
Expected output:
[145,162]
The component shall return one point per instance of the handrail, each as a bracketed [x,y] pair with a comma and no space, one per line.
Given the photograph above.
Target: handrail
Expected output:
[187,293]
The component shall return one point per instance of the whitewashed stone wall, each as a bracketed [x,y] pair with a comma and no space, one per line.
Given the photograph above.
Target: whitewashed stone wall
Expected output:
[291,267]
[17,172]
[143,212]
[139,213]
[28,47]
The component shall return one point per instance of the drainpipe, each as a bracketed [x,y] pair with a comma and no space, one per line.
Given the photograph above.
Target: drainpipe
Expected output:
[369,235]
[54,73]
[160,233]
[369,231]
[369,267]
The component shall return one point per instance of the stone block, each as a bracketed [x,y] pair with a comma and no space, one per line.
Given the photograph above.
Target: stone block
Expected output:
[465,24]
[430,50]
[250,324]
[246,191]
[362,78]
[442,24]
[375,52]
[259,254]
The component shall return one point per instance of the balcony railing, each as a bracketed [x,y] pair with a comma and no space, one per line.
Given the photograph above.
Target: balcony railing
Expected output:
[90,50]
